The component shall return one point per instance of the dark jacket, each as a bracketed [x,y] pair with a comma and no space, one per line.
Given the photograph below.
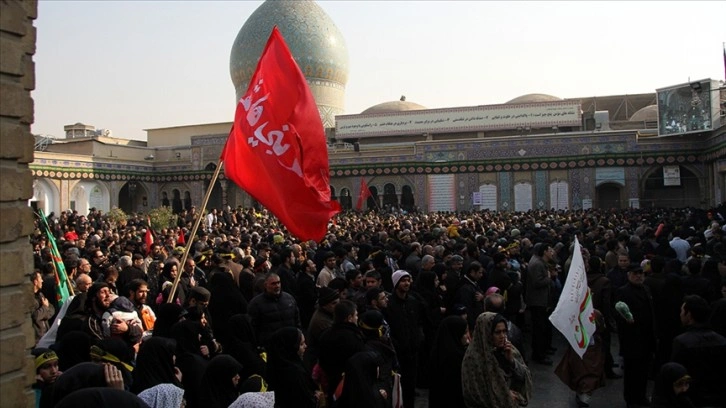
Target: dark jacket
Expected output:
[637,339]
[404,318]
[703,352]
[337,345]
[270,313]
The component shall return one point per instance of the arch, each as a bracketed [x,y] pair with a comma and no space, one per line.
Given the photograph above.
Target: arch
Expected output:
[345,199]
[215,198]
[372,201]
[682,192]
[389,196]
[176,202]
[187,200]
[165,199]
[523,197]
[559,195]
[408,202]
[133,197]
[608,195]
[46,197]
[332,192]
[488,197]
[90,194]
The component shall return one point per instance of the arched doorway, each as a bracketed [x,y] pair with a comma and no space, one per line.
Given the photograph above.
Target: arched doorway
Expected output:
[372,202]
[407,200]
[133,197]
[608,196]
[176,201]
[390,199]
[345,199]
[215,199]
[684,190]
[332,193]
[90,194]
[45,197]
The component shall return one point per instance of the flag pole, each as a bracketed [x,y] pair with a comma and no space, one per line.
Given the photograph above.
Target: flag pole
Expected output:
[193,233]
[54,251]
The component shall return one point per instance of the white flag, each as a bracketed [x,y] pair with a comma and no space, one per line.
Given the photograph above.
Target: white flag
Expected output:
[574,315]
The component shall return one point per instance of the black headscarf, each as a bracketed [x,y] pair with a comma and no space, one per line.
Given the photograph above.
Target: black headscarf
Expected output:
[83,375]
[293,385]
[447,353]
[73,349]
[663,394]
[225,302]
[218,391]
[360,388]
[242,345]
[155,364]
[101,397]
[167,315]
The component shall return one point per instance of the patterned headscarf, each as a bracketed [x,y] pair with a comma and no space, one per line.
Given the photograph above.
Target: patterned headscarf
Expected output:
[163,395]
[484,382]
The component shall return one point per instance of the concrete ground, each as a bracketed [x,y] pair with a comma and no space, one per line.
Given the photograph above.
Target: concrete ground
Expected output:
[549,392]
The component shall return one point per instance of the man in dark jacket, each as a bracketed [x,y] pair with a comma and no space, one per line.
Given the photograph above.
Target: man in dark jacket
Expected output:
[272,309]
[537,298]
[637,336]
[703,352]
[470,294]
[403,314]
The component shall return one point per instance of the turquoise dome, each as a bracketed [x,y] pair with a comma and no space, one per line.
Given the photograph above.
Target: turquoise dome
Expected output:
[314,41]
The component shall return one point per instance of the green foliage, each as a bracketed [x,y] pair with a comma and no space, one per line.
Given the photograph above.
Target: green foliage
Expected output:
[162,217]
[117,217]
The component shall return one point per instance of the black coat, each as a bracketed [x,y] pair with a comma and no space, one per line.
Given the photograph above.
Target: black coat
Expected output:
[337,345]
[637,339]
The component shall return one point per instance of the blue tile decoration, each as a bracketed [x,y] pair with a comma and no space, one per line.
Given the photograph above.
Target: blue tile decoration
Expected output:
[505,191]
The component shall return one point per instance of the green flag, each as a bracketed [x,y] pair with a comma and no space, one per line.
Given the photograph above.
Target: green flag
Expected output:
[62,287]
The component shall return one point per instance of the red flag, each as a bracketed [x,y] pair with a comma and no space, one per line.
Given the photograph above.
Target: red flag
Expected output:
[363,195]
[148,239]
[276,150]
[181,240]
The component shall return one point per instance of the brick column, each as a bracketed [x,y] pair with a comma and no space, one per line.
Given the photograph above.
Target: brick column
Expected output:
[17,79]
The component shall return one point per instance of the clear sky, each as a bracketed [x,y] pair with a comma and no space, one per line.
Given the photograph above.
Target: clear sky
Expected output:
[133,65]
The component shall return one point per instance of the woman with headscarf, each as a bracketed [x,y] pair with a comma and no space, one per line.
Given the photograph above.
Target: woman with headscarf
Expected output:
[166,281]
[360,387]
[242,345]
[447,354]
[80,376]
[73,349]
[225,302]
[493,372]
[293,385]
[163,396]
[671,386]
[191,358]
[101,397]
[167,315]
[155,364]
[220,382]
[426,287]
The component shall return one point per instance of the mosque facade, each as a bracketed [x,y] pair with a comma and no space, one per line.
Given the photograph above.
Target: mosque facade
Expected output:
[534,152]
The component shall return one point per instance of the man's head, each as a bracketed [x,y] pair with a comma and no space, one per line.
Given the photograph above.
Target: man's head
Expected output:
[83,282]
[694,310]
[330,260]
[623,260]
[345,312]
[37,280]
[401,282]
[475,271]
[377,298]
[427,262]
[46,365]
[138,261]
[494,303]
[636,276]
[84,266]
[372,279]
[354,278]
[273,287]
[328,298]
[199,296]
[138,291]
[100,296]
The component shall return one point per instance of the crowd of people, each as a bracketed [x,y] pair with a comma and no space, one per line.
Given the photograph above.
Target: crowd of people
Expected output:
[386,303]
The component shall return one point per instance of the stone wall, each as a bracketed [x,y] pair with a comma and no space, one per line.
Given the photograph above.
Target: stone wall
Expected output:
[17,79]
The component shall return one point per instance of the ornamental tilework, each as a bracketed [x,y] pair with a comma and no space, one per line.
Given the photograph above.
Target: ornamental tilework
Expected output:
[505,190]
[576,195]
[540,183]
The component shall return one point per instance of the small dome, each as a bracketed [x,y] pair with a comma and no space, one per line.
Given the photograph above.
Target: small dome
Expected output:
[393,107]
[646,114]
[533,98]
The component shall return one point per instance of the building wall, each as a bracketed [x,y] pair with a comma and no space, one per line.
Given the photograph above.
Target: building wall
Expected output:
[17,79]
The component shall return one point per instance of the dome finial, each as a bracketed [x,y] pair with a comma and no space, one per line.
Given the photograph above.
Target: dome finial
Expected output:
[403,98]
